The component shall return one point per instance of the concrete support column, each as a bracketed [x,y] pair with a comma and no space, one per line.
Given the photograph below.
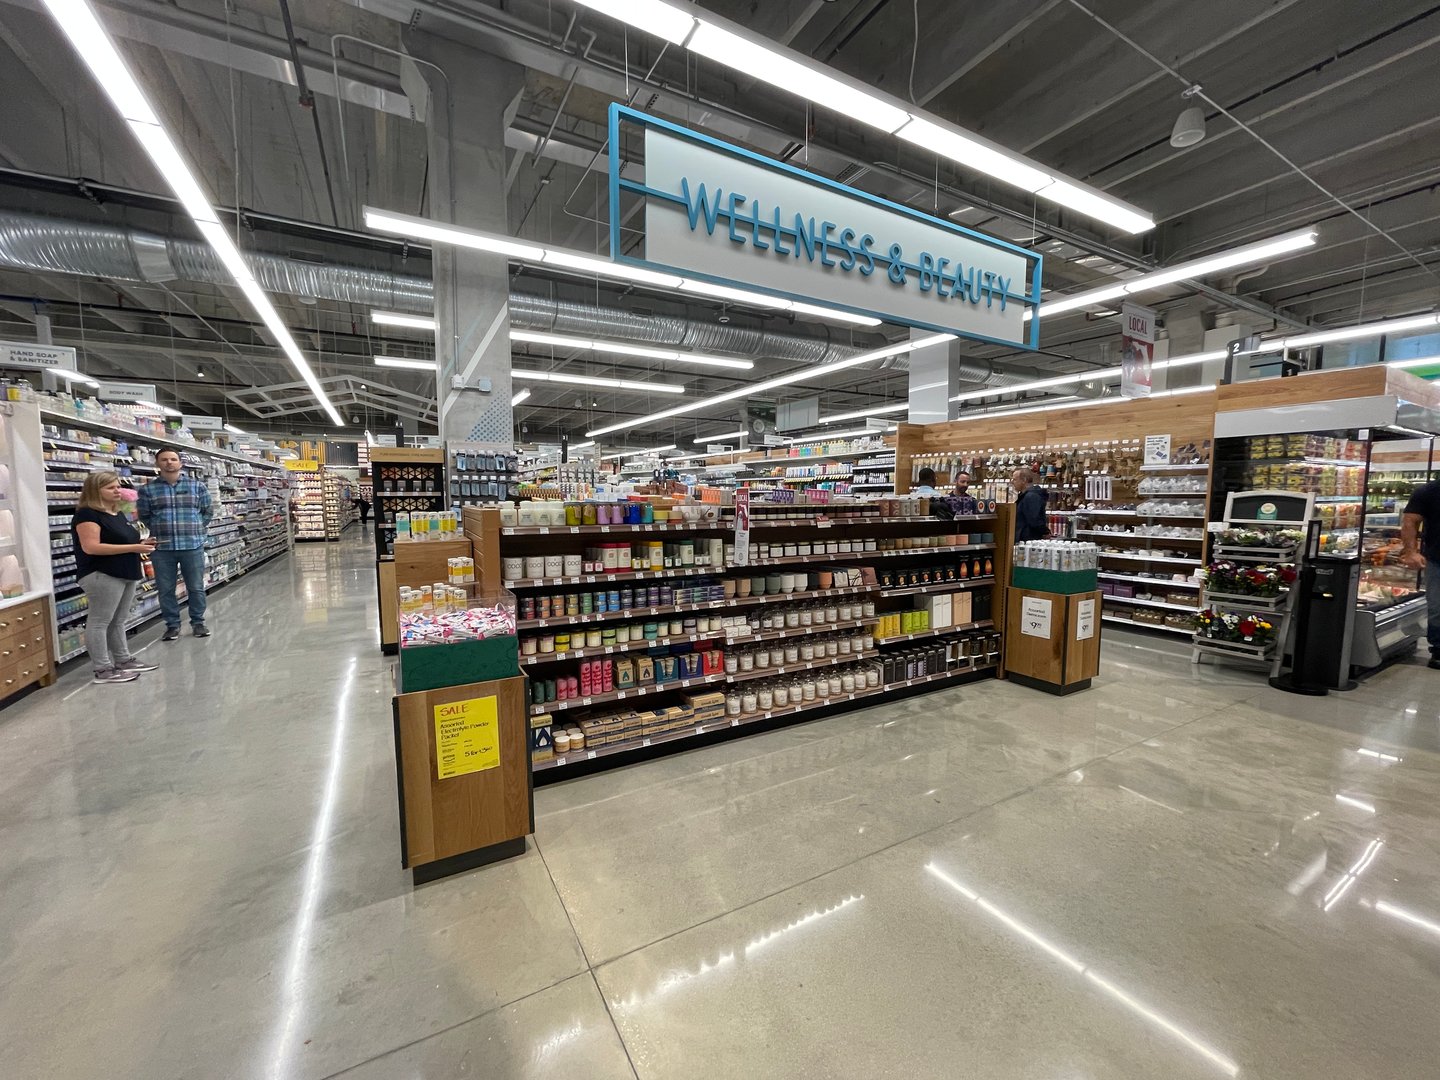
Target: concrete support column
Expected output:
[933,380]
[472,104]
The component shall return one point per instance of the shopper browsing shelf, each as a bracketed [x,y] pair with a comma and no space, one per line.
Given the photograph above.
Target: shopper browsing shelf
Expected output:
[927,483]
[176,508]
[1420,533]
[1030,501]
[107,566]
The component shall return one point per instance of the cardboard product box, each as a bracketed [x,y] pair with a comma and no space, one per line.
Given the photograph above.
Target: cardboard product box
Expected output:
[644,670]
[962,609]
[624,674]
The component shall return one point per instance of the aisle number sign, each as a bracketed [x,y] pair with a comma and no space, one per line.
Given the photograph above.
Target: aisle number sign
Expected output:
[467,737]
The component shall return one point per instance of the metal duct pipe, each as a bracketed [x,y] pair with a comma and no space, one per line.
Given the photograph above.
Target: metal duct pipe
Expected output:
[53,246]
[50,245]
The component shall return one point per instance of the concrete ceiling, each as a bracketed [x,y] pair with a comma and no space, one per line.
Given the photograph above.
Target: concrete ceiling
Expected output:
[1352,102]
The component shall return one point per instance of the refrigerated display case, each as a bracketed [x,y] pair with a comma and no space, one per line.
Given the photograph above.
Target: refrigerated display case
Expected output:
[1360,478]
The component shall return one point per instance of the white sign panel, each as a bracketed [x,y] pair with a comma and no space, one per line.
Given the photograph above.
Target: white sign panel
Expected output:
[125,391]
[742,527]
[1084,620]
[1157,449]
[203,423]
[739,219]
[1035,617]
[1137,350]
[20,354]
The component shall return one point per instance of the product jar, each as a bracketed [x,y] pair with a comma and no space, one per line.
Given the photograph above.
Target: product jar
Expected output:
[765,697]
[792,654]
[807,651]
[732,703]
[762,657]
[512,567]
[747,661]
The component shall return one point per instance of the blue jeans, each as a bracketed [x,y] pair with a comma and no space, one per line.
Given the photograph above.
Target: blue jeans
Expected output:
[1432,605]
[169,565]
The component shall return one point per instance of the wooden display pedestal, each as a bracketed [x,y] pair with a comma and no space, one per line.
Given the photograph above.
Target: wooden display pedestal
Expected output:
[416,563]
[1052,640]
[452,819]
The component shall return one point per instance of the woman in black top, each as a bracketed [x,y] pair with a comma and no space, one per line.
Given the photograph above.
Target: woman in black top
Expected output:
[107,566]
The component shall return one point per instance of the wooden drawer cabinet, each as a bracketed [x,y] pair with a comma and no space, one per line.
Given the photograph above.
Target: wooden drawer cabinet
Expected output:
[26,644]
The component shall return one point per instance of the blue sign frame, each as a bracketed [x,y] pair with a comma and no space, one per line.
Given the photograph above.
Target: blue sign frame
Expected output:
[620,114]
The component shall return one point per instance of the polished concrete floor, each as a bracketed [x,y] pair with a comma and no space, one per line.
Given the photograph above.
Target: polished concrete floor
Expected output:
[1177,874]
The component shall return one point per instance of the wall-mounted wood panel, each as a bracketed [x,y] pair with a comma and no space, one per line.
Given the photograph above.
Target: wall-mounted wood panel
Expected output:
[1312,386]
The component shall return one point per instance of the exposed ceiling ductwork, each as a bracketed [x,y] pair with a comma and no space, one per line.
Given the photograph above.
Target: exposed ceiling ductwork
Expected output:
[52,245]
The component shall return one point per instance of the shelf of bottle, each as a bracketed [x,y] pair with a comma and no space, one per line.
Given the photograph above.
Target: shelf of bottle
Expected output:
[1149,558]
[1193,467]
[720,637]
[1129,513]
[939,587]
[699,605]
[895,639]
[1113,535]
[1153,603]
[640,742]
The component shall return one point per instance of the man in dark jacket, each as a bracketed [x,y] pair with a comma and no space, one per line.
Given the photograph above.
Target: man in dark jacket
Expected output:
[1029,506]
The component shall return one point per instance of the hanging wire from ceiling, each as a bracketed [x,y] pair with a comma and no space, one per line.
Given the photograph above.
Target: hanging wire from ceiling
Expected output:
[1295,168]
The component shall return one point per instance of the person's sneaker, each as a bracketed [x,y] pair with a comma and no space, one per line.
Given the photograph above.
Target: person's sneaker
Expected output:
[115,674]
[172,633]
[1434,663]
[136,665]
[200,630]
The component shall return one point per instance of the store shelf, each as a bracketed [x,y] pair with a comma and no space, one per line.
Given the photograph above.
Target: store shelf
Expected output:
[618,530]
[983,624]
[718,636]
[754,718]
[1198,467]
[1131,513]
[939,586]
[1184,631]
[1150,558]
[1139,536]
[1150,581]
[699,605]
[1153,603]
[623,575]
[132,434]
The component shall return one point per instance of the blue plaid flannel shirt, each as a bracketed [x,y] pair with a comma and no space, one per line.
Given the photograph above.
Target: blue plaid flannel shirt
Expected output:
[175,513]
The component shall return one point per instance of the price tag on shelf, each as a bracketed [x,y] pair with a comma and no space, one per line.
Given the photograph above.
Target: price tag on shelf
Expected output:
[734,723]
[644,742]
[699,729]
[589,579]
[619,695]
[559,761]
[589,755]
[544,530]
[609,649]
[604,528]
[585,701]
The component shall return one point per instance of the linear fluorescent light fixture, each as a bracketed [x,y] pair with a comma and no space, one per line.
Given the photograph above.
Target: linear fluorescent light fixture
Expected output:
[718,438]
[419,228]
[595,380]
[799,375]
[623,348]
[861,414]
[1196,268]
[398,318]
[636,453]
[235,430]
[74,377]
[1422,361]
[1097,375]
[1354,333]
[519,397]
[730,45]
[832,437]
[78,21]
[582,445]
[403,362]
[164,410]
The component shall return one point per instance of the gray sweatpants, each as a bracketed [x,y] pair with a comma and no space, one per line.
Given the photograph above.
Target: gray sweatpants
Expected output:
[110,601]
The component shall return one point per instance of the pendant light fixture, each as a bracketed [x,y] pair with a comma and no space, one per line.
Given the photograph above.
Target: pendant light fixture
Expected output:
[1189,126]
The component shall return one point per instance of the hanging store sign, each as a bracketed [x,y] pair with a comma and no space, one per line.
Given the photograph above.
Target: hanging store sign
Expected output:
[1137,350]
[717,213]
[125,391]
[202,423]
[16,354]
[742,527]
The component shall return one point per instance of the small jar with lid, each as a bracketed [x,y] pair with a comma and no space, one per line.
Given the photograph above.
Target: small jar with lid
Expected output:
[832,613]
[832,647]
[782,694]
[547,643]
[807,689]
[594,638]
[732,662]
[806,616]
[765,697]
[561,742]
[749,700]
[872,676]
[762,657]
[845,642]
[794,619]
[867,609]
[792,652]
[747,661]
[577,739]
[847,681]
[732,703]
[807,650]
[836,684]
[845,613]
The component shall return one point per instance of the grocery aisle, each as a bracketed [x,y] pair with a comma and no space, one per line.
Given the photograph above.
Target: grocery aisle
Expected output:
[1174,874]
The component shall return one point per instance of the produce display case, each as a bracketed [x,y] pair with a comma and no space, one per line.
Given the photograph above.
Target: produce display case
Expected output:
[1390,604]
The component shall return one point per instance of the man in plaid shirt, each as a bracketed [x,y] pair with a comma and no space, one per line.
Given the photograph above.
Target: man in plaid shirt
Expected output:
[176,509]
